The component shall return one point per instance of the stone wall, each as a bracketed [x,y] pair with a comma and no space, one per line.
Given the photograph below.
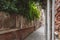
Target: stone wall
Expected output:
[15,21]
[7,21]
[23,26]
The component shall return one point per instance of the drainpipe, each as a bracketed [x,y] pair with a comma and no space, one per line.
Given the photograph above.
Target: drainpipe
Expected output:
[48,19]
[53,16]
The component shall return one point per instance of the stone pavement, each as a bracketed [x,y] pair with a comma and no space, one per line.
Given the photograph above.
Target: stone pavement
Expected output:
[37,35]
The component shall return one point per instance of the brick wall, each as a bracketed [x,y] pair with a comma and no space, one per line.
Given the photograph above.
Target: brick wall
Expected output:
[57,16]
[17,35]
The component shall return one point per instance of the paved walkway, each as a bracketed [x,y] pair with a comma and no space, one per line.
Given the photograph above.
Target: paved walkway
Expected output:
[40,33]
[37,35]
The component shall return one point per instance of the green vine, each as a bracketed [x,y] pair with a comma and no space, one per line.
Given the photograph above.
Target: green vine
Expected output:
[27,8]
[34,12]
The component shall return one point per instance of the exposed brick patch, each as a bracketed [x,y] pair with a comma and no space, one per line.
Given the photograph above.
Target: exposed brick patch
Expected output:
[7,36]
[26,32]
[57,17]
[17,35]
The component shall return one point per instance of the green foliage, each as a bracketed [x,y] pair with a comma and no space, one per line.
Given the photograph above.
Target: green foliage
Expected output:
[34,12]
[8,5]
[27,8]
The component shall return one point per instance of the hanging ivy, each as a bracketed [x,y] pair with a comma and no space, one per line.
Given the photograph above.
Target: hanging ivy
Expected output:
[34,12]
[27,8]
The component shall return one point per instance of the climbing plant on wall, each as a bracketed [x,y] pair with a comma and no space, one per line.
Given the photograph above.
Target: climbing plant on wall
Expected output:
[26,8]
[34,12]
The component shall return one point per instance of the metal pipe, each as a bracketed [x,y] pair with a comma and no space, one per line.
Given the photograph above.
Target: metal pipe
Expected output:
[53,16]
[48,19]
